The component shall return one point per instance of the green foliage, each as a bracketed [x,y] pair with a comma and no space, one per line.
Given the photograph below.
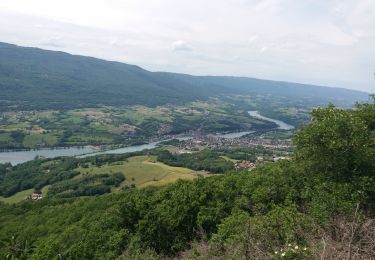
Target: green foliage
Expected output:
[16,248]
[278,207]
[35,174]
[167,219]
[232,229]
[205,160]
[366,112]
[243,234]
[89,185]
[42,172]
[337,143]
[248,154]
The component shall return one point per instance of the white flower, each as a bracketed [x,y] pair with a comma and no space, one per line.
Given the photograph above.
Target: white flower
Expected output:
[289,245]
[283,254]
[296,247]
[276,252]
[305,249]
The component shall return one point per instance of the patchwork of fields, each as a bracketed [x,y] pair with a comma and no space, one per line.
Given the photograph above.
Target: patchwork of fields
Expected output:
[120,125]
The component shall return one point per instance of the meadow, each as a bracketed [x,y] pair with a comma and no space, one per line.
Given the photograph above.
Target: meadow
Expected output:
[143,171]
[137,171]
[19,196]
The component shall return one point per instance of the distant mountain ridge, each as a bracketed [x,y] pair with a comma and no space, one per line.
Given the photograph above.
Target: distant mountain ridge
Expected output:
[32,78]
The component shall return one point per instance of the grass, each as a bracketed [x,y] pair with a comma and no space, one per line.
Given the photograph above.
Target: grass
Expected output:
[15,126]
[83,137]
[45,189]
[171,148]
[33,140]
[144,171]
[229,159]
[4,137]
[138,114]
[73,119]
[19,196]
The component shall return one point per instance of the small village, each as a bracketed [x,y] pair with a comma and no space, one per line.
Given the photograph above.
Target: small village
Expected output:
[279,149]
[240,165]
[213,142]
[199,142]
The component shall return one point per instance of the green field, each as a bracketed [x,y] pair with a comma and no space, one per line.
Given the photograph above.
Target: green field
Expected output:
[139,172]
[144,171]
[19,196]
[229,159]
[96,138]
[33,140]
[5,137]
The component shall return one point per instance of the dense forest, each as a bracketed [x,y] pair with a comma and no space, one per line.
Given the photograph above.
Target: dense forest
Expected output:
[319,205]
[204,160]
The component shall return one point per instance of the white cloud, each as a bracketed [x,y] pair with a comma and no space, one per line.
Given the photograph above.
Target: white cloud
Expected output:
[263,49]
[321,42]
[54,41]
[253,40]
[181,46]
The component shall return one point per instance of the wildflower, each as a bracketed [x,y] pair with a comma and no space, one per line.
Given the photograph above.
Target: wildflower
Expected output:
[283,254]
[289,245]
[304,249]
[296,247]
[276,252]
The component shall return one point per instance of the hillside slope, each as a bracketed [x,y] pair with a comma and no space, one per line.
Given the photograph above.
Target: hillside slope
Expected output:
[318,205]
[32,78]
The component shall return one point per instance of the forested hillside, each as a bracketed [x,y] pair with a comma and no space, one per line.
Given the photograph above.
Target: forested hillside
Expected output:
[35,79]
[319,205]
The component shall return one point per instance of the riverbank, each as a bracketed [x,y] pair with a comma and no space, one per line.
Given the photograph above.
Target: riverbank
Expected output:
[17,157]
[281,125]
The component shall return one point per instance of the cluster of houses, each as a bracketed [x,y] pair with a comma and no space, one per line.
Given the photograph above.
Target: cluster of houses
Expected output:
[213,142]
[35,196]
[240,165]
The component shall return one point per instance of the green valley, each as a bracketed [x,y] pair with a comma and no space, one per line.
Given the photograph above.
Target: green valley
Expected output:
[107,160]
[120,125]
[111,206]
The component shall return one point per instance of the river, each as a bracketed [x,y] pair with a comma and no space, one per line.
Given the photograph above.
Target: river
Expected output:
[281,125]
[81,152]
[134,148]
[24,156]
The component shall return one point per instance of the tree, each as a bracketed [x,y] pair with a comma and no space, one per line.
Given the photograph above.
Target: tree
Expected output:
[338,142]
[17,248]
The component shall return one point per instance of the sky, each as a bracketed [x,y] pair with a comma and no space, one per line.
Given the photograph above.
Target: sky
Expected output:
[323,42]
